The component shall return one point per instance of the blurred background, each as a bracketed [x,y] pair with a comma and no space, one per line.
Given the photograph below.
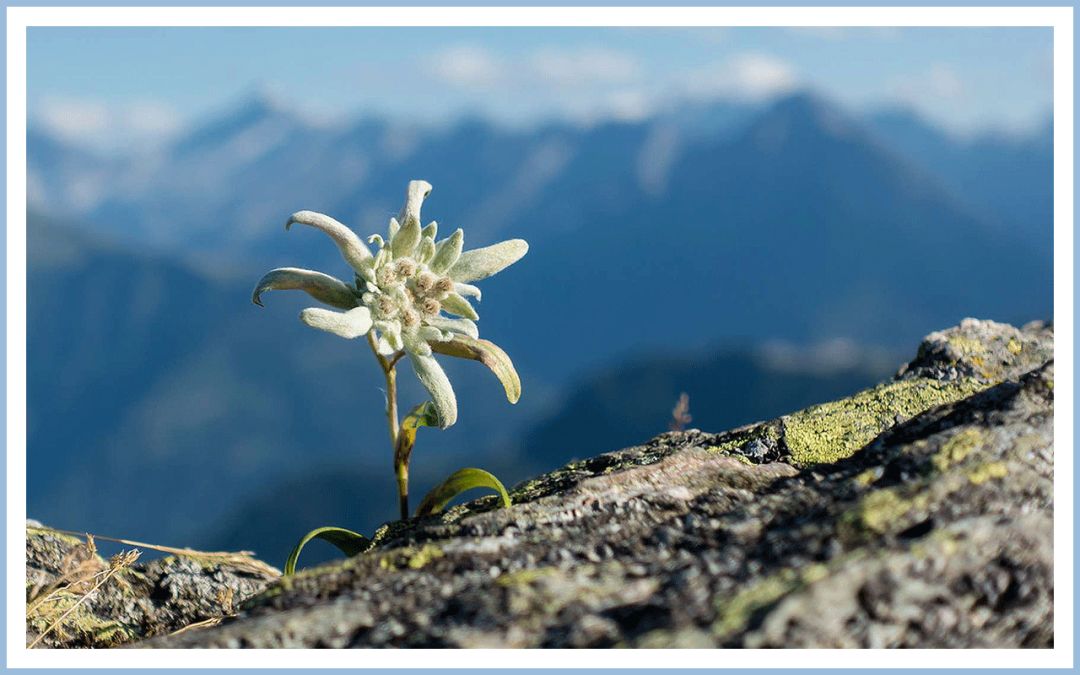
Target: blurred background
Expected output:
[761,218]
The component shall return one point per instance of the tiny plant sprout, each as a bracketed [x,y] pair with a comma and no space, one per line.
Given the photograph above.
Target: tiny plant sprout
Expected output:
[409,300]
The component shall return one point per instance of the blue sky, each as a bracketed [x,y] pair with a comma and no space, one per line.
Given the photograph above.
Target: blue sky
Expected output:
[146,83]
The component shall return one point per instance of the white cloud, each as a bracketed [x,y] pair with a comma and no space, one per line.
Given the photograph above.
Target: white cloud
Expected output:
[584,67]
[747,76]
[943,82]
[473,67]
[630,105]
[94,123]
[151,118]
[467,66]
[588,84]
[939,82]
[72,118]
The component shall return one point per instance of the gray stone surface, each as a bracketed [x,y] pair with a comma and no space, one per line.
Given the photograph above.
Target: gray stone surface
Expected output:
[914,514]
[76,599]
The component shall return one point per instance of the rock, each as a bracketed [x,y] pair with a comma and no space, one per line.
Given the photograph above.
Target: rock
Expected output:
[78,599]
[914,514]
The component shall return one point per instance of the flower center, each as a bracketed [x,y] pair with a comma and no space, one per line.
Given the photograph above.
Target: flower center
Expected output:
[408,292]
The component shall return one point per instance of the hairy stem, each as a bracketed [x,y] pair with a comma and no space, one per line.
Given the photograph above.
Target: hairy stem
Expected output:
[401,464]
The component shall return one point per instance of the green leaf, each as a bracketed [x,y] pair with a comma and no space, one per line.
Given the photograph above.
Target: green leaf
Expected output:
[460,481]
[487,353]
[348,542]
[423,415]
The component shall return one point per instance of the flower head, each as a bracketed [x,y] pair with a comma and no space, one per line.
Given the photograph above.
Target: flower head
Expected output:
[411,295]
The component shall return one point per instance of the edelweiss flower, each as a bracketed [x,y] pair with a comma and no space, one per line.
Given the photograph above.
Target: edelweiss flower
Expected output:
[400,296]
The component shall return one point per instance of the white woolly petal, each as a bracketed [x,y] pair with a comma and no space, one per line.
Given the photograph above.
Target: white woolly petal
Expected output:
[404,242]
[391,332]
[367,269]
[434,379]
[352,249]
[431,230]
[455,304]
[447,252]
[414,341]
[481,263]
[351,324]
[384,347]
[467,290]
[462,326]
[322,287]
[426,250]
[415,194]
[430,334]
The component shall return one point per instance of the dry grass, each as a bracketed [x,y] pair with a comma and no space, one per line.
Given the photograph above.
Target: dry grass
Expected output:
[77,569]
[118,562]
[81,573]
[205,623]
[244,560]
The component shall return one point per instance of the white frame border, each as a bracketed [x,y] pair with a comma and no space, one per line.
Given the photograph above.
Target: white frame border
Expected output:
[1060,18]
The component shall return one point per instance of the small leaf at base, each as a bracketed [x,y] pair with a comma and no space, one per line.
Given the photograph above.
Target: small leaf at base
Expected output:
[458,482]
[348,542]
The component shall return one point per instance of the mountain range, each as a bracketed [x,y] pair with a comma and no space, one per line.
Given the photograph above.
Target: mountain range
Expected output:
[663,253]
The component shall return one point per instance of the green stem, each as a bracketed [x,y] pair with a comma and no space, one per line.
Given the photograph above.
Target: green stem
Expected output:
[401,464]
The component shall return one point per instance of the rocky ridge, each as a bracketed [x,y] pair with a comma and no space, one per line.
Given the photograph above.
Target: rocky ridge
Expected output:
[917,513]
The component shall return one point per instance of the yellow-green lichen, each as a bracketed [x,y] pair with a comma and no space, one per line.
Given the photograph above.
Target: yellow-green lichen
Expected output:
[526,576]
[1014,346]
[868,477]
[733,441]
[966,346]
[890,509]
[881,510]
[957,448]
[412,558]
[44,531]
[833,431]
[987,472]
[940,543]
[734,613]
